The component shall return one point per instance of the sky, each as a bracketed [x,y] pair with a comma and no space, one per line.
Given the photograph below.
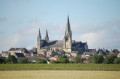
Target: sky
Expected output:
[96,22]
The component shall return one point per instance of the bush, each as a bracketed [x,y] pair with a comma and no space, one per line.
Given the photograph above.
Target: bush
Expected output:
[77,60]
[117,61]
[97,59]
[54,62]
[23,61]
[64,59]
[109,59]
[11,59]
[40,61]
[2,60]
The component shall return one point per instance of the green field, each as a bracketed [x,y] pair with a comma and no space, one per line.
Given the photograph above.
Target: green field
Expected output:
[93,67]
[59,74]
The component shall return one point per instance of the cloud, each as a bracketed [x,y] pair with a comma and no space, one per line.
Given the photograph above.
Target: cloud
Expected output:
[97,36]
[106,37]
[28,36]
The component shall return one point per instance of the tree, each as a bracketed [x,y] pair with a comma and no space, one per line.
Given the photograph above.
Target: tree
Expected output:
[41,61]
[63,59]
[11,59]
[77,60]
[117,61]
[97,59]
[2,60]
[109,59]
[23,61]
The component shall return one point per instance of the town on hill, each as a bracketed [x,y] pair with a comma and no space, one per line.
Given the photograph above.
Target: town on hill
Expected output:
[53,50]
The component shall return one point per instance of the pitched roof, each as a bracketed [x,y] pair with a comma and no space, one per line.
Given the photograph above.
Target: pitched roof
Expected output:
[53,44]
[19,54]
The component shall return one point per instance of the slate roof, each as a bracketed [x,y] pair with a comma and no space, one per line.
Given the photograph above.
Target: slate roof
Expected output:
[53,44]
[19,54]
[59,44]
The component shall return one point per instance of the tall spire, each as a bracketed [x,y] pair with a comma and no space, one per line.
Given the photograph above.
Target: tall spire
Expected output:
[68,29]
[46,37]
[67,41]
[39,35]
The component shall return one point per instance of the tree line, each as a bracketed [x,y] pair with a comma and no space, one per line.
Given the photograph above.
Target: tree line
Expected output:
[97,59]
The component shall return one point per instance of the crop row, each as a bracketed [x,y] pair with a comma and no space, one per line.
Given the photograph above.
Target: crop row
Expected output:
[95,67]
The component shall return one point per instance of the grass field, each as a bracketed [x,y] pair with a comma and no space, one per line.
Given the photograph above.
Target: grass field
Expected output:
[93,67]
[59,74]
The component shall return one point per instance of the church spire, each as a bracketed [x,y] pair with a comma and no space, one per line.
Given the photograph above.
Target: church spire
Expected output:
[67,41]
[39,35]
[46,37]
[68,29]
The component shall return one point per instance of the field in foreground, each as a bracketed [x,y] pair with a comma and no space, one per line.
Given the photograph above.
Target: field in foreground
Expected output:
[59,74]
[88,67]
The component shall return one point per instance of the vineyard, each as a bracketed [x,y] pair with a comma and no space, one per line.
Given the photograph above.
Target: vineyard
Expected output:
[86,67]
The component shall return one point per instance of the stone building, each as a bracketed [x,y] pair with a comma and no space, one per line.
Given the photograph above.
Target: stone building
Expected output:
[69,46]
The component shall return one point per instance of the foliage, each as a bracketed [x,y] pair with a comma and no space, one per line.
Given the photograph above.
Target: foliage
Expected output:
[109,59]
[23,61]
[40,61]
[2,60]
[77,60]
[63,59]
[97,59]
[54,62]
[117,61]
[11,59]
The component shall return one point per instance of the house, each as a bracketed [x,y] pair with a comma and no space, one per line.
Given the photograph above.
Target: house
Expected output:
[18,50]
[54,58]
[34,58]
[118,55]
[5,54]
[70,58]
[19,55]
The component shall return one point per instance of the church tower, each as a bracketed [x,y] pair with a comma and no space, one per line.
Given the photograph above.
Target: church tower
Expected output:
[67,41]
[46,36]
[39,38]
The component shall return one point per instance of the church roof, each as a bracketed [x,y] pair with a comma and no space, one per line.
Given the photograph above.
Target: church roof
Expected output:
[53,44]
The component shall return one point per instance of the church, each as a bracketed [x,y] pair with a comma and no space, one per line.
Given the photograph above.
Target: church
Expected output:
[66,46]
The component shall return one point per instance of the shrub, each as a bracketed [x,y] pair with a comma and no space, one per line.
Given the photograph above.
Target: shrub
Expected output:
[117,61]
[54,62]
[63,59]
[2,60]
[40,61]
[77,60]
[23,61]
[97,59]
[109,59]
[11,59]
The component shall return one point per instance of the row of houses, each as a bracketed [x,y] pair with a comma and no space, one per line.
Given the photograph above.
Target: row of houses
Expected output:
[32,54]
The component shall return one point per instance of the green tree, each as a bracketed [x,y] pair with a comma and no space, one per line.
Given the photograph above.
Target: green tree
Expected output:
[117,61]
[63,59]
[40,61]
[23,61]
[2,60]
[77,60]
[109,59]
[11,59]
[97,59]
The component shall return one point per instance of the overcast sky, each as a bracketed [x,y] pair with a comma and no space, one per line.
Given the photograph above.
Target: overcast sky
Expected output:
[96,22]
